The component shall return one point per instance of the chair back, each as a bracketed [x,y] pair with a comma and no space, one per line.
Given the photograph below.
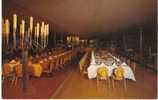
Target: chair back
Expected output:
[18,70]
[61,59]
[57,61]
[45,64]
[102,72]
[6,70]
[52,65]
[119,73]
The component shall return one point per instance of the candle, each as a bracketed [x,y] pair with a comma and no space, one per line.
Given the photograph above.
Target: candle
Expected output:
[20,29]
[7,27]
[38,27]
[30,31]
[35,32]
[21,37]
[77,39]
[42,33]
[47,32]
[68,39]
[45,35]
[6,32]
[14,21]
[45,29]
[31,23]
[42,27]
[14,30]
[23,27]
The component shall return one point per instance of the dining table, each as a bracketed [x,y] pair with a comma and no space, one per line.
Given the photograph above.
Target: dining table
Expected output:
[110,62]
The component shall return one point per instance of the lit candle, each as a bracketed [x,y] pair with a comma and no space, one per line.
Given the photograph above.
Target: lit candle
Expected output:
[42,27]
[47,32]
[20,29]
[7,30]
[42,33]
[38,28]
[31,23]
[77,39]
[23,27]
[14,21]
[21,44]
[35,35]
[30,30]
[14,30]
[7,26]
[68,39]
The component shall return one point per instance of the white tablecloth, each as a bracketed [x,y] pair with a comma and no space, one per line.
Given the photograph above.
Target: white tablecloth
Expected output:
[92,69]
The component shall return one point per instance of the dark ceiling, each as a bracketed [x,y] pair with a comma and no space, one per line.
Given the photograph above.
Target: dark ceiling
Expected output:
[85,16]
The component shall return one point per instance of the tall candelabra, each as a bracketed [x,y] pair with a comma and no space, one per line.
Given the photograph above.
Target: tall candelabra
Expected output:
[39,33]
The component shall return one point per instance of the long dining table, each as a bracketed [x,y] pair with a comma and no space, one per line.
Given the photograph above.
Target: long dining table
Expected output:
[110,62]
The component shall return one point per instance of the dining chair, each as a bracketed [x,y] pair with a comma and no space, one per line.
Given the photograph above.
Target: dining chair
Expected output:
[57,63]
[61,64]
[118,75]
[102,74]
[18,73]
[64,59]
[129,62]
[7,73]
[69,58]
[134,65]
[13,72]
[52,66]
[46,66]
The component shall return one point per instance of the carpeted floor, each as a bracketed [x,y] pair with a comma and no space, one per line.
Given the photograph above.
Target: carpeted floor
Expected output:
[37,88]
[69,83]
[79,87]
